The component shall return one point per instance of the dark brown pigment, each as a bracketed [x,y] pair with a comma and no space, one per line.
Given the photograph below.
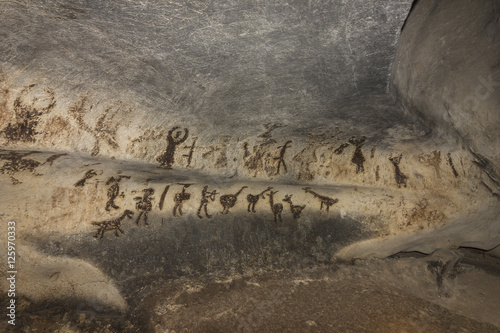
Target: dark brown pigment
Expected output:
[166,160]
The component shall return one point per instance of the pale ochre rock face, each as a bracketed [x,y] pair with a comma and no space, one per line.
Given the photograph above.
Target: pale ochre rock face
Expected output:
[48,278]
[154,140]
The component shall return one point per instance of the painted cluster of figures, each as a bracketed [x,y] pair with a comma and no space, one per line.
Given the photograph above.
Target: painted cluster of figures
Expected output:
[144,203]
[36,101]
[177,136]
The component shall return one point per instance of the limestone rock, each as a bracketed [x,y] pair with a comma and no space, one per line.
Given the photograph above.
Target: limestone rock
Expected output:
[153,140]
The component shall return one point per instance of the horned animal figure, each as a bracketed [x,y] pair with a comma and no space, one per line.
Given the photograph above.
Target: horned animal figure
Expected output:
[399,176]
[295,209]
[229,200]
[253,199]
[276,208]
[323,199]
[111,225]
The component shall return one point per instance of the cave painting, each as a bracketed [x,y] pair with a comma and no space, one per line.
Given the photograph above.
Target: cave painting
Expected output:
[276,208]
[179,199]
[163,195]
[254,198]
[15,162]
[452,166]
[269,129]
[326,201]
[144,205]
[221,161]
[229,200]
[281,158]
[206,197]
[88,175]
[189,155]
[28,111]
[432,159]
[259,157]
[295,209]
[52,158]
[254,162]
[113,191]
[357,158]
[166,159]
[105,127]
[112,225]
[340,149]
[399,176]
[307,156]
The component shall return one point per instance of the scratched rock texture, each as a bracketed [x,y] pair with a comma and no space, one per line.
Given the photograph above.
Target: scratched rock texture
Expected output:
[148,141]
[112,79]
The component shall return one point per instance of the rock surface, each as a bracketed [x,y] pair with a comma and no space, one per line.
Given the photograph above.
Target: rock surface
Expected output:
[161,141]
[447,70]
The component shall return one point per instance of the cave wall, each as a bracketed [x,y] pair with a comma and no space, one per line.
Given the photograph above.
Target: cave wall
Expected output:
[447,70]
[145,68]
[136,135]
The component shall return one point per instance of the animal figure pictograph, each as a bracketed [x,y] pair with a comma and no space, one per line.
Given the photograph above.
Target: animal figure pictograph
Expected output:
[89,174]
[326,201]
[206,197]
[399,176]
[281,158]
[113,191]
[166,159]
[179,199]
[112,225]
[276,208]
[295,209]
[229,200]
[254,198]
[144,205]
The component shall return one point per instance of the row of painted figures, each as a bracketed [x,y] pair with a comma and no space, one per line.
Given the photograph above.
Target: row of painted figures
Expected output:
[144,204]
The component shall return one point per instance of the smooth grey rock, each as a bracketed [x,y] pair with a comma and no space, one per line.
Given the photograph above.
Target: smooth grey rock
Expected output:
[447,69]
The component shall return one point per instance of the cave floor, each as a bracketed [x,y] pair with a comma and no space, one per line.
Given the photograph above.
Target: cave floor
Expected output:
[448,291]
